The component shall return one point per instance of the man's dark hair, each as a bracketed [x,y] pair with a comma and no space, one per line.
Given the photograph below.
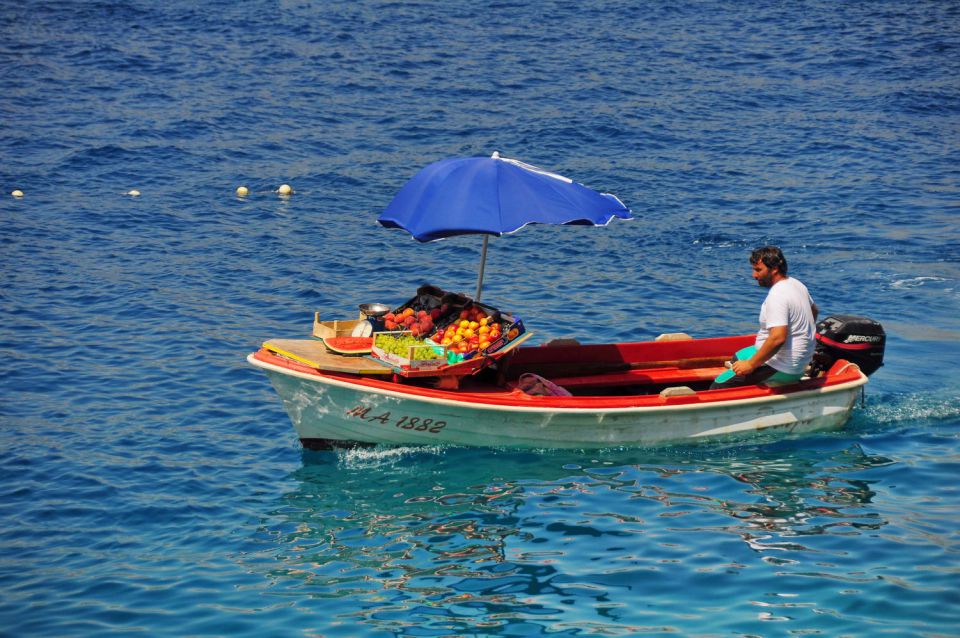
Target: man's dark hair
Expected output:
[771,256]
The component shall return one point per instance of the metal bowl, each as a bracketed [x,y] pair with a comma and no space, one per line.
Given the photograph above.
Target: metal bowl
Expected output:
[374,309]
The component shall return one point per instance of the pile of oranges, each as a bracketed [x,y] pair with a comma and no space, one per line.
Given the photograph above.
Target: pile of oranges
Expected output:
[472,330]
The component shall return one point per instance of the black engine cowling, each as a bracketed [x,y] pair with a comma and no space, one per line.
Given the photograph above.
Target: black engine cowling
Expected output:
[859,340]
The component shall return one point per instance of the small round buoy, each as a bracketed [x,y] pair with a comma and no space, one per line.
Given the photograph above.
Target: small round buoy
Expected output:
[285,189]
[17,193]
[133,193]
[242,191]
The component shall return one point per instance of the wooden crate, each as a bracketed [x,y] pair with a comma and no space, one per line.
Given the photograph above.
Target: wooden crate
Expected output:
[335,328]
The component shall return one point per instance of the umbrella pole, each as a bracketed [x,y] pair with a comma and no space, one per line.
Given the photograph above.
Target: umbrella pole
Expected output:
[483,263]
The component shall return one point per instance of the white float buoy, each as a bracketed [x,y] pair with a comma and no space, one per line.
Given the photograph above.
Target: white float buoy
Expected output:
[133,193]
[242,191]
[17,193]
[285,189]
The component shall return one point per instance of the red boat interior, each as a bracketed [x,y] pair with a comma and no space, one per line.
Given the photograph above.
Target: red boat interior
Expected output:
[626,368]
[655,373]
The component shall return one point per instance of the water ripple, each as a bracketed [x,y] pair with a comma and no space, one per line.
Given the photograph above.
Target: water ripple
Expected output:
[150,480]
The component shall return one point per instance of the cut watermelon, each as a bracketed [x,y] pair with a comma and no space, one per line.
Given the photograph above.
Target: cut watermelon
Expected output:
[349,345]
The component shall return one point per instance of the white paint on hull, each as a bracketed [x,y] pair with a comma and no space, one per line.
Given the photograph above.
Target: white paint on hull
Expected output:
[329,408]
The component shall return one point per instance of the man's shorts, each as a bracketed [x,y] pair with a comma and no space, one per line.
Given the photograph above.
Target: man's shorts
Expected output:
[763,374]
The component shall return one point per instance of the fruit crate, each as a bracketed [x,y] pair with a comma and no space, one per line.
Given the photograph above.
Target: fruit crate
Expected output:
[410,362]
[436,303]
[512,329]
[456,314]
[490,330]
[427,298]
[335,328]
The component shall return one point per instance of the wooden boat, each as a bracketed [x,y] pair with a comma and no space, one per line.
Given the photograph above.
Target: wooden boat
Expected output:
[624,394]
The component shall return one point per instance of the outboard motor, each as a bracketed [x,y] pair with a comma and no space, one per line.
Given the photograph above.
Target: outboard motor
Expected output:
[859,340]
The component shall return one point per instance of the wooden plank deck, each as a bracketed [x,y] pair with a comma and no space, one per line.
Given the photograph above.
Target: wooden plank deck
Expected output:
[313,353]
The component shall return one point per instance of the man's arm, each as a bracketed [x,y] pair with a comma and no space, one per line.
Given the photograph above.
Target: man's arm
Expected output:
[776,338]
[815,310]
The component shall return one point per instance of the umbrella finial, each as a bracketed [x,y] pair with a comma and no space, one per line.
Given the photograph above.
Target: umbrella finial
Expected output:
[496,155]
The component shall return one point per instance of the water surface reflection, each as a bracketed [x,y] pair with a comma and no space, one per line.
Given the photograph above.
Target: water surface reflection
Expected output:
[456,541]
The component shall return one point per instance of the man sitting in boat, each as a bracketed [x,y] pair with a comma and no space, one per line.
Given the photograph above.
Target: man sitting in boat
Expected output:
[785,341]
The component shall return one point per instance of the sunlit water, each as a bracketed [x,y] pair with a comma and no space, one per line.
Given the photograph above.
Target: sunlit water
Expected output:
[149,479]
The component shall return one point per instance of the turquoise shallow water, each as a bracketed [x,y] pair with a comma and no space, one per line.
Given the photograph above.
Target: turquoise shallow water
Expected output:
[149,479]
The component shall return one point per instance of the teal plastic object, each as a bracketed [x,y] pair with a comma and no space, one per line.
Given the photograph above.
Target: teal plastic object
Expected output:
[743,354]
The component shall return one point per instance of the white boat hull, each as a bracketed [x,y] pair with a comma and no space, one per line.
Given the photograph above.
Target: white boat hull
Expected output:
[329,410]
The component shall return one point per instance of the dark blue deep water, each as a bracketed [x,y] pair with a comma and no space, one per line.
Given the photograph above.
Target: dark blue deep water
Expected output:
[150,482]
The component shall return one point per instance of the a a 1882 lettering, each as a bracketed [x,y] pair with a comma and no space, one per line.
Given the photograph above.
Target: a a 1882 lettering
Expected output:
[404,422]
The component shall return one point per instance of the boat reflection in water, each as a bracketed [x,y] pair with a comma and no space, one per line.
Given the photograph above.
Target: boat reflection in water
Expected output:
[459,540]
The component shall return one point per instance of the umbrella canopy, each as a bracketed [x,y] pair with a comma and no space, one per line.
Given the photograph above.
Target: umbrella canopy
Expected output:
[492,196]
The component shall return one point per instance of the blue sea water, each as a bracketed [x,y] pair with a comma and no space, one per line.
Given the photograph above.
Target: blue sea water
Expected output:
[149,480]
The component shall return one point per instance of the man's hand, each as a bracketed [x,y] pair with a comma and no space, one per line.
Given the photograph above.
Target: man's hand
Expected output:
[776,338]
[743,368]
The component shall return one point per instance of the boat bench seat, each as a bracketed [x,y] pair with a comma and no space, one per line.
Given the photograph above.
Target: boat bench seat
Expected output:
[649,376]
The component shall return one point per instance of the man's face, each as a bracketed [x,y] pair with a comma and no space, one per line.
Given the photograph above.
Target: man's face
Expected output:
[763,274]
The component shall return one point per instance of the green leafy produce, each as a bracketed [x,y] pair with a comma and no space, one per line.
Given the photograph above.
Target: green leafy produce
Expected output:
[400,346]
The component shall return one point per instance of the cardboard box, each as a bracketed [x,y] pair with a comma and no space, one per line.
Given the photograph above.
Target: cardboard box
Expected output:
[410,362]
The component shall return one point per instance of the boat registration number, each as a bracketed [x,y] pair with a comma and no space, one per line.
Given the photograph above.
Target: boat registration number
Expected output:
[404,422]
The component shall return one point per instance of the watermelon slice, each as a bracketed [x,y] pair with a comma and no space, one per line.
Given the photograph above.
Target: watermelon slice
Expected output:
[349,346]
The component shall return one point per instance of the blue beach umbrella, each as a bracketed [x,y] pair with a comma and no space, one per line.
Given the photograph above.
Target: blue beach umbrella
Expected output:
[492,196]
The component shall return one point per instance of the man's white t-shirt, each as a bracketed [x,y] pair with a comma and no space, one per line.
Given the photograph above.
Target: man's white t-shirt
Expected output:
[789,304]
